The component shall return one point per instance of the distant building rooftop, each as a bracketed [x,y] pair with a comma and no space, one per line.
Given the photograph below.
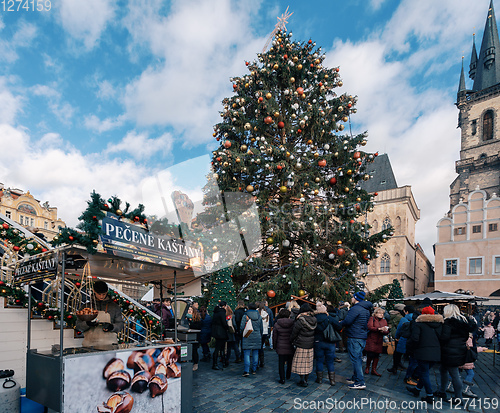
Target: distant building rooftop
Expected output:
[382,175]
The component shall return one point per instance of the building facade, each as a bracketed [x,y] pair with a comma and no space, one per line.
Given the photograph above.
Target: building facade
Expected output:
[400,257]
[23,208]
[468,242]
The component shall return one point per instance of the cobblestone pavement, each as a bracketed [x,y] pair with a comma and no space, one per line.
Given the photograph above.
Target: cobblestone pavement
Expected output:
[227,391]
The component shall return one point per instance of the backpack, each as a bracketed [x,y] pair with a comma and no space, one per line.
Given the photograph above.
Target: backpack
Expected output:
[406,330]
[331,335]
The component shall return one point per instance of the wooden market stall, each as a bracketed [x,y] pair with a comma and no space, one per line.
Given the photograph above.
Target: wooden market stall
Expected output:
[72,379]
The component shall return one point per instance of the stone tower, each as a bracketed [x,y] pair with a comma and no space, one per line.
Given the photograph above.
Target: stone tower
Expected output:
[479,119]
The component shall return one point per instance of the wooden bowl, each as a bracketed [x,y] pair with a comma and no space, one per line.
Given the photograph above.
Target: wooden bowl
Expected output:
[87,314]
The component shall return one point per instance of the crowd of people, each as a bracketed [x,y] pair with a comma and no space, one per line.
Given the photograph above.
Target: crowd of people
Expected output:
[306,337]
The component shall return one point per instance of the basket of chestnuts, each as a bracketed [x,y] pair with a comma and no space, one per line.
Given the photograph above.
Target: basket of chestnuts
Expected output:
[87,314]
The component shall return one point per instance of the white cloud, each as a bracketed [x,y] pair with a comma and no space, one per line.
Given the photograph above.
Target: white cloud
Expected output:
[141,147]
[23,37]
[94,123]
[376,4]
[86,21]
[10,105]
[63,110]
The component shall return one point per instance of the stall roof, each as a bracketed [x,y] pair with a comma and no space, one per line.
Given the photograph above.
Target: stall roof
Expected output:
[125,270]
[445,296]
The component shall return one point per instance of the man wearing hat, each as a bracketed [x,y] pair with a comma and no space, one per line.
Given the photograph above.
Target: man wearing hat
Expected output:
[356,322]
[102,331]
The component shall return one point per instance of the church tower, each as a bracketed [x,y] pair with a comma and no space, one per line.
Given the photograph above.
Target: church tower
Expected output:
[479,119]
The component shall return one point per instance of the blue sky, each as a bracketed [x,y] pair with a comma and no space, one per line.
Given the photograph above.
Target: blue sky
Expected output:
[103,94]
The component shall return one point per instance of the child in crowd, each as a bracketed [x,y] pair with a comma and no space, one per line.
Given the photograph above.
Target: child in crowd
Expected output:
[489,333]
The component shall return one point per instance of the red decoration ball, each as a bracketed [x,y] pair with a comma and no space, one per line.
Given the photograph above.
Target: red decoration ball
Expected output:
[376,193]
[300,91]
[357,155]
[322,162]
[310,41]
[16,248]
[71,238]
[145,221]
[333,181]
[261,99]
[106,206]
[347,292]
[2,283]
[271,294]
[247,63]
[70,317]
[150,321]
[352,221]
[78,284]
[41,305]
[5,226]
[94,217]
[299,130]
[268,120]
[50,317]
[18,301]
[143,311]
[136,219]
[281,125]
[320,84]
[227,144]
[235,87]
[44,249]
[340,252]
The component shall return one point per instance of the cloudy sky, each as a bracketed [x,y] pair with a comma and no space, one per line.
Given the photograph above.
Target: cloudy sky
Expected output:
[106,95]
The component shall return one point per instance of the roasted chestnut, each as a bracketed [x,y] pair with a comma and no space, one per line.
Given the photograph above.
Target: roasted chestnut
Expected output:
[118,380]
[113,365]
[168,356]
[153,352]
[140,361]
[158,368]
[173,371]
[157,385]
[140,381]
[121,402]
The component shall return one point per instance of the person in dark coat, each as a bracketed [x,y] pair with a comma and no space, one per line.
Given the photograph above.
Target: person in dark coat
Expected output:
[356,322]
[378,328]
[425,335]
[455,334]
[283,326]
[251,344]
[195,323]
[220,333]
[303,339]
[206,332]
[324,350]
[238,315]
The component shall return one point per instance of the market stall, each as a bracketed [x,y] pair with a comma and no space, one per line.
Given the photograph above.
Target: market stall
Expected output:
[440,298]
[150,376]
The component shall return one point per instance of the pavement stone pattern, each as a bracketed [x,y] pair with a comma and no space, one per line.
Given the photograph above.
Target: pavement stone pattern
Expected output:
[226,390]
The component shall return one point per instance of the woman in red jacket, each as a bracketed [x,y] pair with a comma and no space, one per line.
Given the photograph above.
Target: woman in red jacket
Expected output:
[377,329]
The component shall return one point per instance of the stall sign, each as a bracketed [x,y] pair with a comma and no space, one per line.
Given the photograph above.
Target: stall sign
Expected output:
[131,241]
[36,268]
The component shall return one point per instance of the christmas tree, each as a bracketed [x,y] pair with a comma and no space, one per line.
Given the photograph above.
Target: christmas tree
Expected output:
[221,288]
[282,142]
[395,294]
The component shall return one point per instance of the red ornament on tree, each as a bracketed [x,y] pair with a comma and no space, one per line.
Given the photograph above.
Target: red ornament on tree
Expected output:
[271,294]
[71,238]
[78,284]
[261,99]
[357,155]
[16,248]
[333,181]
[227,144]
[340,252]
[268,120]
[5,226]
[310,41]
[300,91]
[281,125]
[322,162]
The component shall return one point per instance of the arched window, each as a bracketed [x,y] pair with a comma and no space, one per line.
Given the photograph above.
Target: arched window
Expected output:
[385,263]
[26,208]
[488,126]
[386,224]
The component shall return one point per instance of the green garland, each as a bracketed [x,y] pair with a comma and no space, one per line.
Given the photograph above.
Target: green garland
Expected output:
[21,244]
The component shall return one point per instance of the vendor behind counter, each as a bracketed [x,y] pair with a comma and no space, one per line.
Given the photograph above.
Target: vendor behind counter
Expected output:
[103,330]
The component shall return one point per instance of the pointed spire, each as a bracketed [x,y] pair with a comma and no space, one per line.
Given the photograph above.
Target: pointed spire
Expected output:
[473,59]
[461,85]
[488,67]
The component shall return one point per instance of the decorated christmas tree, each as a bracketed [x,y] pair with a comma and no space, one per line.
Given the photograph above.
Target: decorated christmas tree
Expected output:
[283,141]
[221,288]
[395,294]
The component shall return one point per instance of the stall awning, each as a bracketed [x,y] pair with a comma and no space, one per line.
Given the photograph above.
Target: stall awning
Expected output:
[445,296]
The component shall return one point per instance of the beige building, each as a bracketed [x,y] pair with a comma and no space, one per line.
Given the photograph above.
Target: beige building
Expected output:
[468,246]
[400,257]
[23,208]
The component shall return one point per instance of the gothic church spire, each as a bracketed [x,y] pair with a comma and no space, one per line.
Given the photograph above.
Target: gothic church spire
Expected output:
[488,65]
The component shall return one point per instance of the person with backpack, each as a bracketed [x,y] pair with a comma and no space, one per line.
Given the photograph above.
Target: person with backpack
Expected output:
[324,350]
[252,343]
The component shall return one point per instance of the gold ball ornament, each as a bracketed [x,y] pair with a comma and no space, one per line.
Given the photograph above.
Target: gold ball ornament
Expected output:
[302,293]
[243,148]
[299,66]
[347,263]
[283,189]
[339,242]
[346,189]
[275,67]
[119,212]
[248,126]
[292,80]
[238,160]
[270,240]
[364,252]
[317,180]
[269,95]
[358,199]
[250,188]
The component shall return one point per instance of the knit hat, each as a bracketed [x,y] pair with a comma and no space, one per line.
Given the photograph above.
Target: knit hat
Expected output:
[359,296]
[305,308]
[399,307]
[320,308]
[100,287]
[427,310]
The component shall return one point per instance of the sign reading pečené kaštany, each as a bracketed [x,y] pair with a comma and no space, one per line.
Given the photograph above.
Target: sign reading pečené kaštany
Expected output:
[134,242]
[36,268]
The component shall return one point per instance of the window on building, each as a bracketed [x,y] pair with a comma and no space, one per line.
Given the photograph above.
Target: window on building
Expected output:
[459,231]
[474,126]
[476,229]
[386,224]
[21,219]
[451,267]
[8,214]
[32,222]
[488,126]
[497,265]
[385,263]
[46,225]
[475,266]
[493,227]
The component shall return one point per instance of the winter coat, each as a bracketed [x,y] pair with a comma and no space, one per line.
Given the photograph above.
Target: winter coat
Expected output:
[271,317]
[109,306]
[281,336]
[453,341]
[342,312]
[265,320]
[489,332]
[165,315]
[195,325]
[254,340]
[219,324]
[424,339]
[395,317]
[375,339]
[303,330]
[323,320]
[206,329]
[356,320]
[238,314]
[294,312]
[401,346]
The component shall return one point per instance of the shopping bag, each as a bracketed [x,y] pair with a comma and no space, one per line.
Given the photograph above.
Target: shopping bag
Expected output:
[331,335]
[248,328]
[391,347]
